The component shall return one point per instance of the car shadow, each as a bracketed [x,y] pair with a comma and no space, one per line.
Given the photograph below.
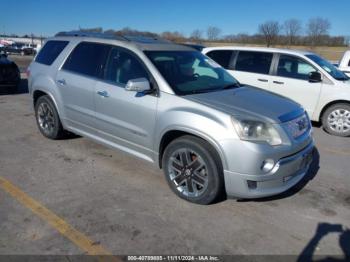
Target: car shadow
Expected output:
[323,229]
[312,172]
[316,124]
[22,88]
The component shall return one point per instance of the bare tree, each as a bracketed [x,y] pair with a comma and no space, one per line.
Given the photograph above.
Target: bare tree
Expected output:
[196,35]
[213,33]
[292,28]
[270,30]
[317,28]
[347,40]
[173,36]
[91,30]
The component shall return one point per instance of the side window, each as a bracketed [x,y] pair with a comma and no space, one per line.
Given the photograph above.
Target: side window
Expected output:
[254,62]
[87,59]
[123,66]
[50,51]
[222,57]
[294,67]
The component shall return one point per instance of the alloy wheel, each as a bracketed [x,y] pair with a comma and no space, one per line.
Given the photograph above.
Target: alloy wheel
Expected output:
[188,171]
[46,118]
[339,120]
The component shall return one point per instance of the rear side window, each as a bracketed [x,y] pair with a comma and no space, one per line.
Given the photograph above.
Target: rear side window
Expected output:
[254,62]
[222,57]
[87,59]
[50,51]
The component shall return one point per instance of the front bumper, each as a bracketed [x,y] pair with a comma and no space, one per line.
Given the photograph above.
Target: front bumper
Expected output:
[287,172]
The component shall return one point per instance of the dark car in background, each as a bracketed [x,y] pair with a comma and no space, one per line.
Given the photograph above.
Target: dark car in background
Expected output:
[10,76]
[18,48]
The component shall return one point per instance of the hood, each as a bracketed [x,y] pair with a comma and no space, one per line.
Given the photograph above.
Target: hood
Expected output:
[251,102]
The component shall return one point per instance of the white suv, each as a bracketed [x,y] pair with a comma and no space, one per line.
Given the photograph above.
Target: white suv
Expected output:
[305,77]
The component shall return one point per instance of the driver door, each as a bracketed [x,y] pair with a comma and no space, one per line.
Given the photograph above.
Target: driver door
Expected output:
[125,118]
[291,79]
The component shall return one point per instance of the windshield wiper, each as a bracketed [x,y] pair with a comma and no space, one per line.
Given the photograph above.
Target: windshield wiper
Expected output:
[342,78]
[230,86]
[200,91]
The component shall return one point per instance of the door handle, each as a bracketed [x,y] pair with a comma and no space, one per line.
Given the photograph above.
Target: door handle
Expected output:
[61,82]
[103,93]
[263,80]
[278,82]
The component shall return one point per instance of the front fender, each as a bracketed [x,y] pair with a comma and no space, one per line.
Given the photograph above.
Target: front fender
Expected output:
[178,114]
[330,95]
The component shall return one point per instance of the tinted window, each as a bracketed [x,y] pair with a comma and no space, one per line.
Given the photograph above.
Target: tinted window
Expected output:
[123,66]
[222,57]
[87,59]
[294,67]
[254,62]
[50,52]
[190,72]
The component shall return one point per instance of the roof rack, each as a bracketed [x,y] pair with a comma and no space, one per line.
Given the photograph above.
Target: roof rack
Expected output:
[131,38]
[92,34]
[147,39]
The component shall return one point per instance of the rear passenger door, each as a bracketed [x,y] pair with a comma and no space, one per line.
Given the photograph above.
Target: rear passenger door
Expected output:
[291,79]
[222,57]
[252,68]
[125,118]
[76,81]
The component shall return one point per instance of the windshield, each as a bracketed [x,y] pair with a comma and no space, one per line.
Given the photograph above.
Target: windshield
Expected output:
[331,69]
[190,72]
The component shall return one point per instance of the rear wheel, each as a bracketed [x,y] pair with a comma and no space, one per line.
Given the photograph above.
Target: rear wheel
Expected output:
[193,170]
[47,118]
[336,120]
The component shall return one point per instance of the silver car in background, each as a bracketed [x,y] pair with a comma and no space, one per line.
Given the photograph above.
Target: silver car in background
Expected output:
[173,106]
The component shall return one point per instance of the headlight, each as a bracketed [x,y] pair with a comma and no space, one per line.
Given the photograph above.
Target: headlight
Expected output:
[254,130]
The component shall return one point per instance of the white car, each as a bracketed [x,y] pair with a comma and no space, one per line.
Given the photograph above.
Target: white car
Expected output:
[344,64]
[310,80]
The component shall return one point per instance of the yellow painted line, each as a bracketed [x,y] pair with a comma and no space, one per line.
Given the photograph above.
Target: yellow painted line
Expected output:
[55,221]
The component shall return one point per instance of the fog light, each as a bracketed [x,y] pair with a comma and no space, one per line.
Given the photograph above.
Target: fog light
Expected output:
[251,184]
[267,165]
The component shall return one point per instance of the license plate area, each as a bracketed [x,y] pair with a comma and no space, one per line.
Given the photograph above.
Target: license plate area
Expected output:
[306,160]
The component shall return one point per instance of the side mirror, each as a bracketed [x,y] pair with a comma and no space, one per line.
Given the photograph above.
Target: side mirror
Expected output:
[138,85]
[315,77]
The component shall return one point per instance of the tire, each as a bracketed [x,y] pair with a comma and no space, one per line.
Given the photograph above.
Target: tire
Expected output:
[336,120]
[202,181]
[47,118]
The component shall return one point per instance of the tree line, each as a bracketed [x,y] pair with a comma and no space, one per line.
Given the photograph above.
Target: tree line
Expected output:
[291,32]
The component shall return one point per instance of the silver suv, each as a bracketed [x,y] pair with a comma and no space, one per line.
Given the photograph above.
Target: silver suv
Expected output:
[173,106]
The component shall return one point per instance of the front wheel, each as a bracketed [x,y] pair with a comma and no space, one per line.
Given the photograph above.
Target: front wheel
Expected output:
[193,170]
[336,120]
